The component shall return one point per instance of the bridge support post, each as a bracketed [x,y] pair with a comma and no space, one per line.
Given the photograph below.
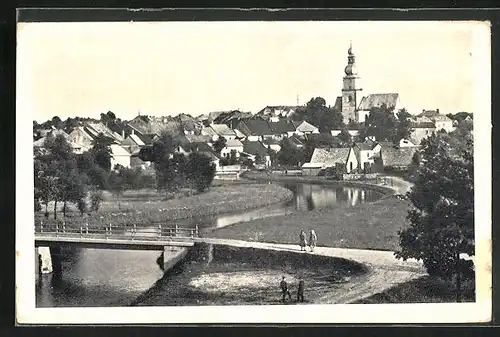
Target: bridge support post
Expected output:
[172,255]
[44,260]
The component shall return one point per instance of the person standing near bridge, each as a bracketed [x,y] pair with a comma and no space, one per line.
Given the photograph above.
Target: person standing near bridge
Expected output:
[302,240]
[313,239]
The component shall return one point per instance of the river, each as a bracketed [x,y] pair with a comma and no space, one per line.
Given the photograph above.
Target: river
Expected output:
[94,277]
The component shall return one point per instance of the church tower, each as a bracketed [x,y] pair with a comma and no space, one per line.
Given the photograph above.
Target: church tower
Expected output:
[350,90]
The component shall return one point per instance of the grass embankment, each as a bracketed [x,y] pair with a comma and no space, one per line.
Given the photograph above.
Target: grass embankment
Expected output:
[145,208]
[239,276]
[425,289]
[366,226]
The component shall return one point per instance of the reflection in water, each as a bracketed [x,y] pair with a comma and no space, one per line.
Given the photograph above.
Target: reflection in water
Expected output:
[93,277]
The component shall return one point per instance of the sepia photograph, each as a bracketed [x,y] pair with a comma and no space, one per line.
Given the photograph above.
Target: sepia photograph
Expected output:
[253,171]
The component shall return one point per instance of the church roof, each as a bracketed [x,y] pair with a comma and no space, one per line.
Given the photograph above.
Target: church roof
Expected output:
[377,100]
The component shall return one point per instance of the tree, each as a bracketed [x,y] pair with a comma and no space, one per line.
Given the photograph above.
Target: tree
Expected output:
[289,155]
[82,206]
[96,198]
[330,120]
[117,183]
[219,144]
[101,151]
[344,138]
[60,172]
[381,124]
[442,217]
[70,124]
[233,158]
[200,171]
[403,129]
[56,122]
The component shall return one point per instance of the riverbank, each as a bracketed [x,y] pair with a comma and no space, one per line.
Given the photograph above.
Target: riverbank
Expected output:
[387,184]
[218,200]
[365,226]
[231,272]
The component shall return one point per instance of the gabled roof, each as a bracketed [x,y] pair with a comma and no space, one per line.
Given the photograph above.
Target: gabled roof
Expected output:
[272,109]
[198,146]
[145,138]
[441,118]
[117,150]
[208,131]
[135,138]
[304,126]
[96,128]
[377,100]
[281,127]
[330,156]
[222,130]
[233,143]
[198,138]
[239,134]
[256,127]
[397,157]
[255,148]
[429,113]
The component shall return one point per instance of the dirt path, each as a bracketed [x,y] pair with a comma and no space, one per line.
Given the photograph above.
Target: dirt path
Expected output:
[384,270]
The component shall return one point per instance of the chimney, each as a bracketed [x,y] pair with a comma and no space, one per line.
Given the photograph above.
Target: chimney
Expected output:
[437,110]
[123,133]
[133,132]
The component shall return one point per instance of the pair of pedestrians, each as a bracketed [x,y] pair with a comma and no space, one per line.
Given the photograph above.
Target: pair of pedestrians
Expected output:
[285,291]
[313,239]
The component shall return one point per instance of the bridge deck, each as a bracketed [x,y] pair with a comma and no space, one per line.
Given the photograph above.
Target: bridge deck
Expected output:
[114,242]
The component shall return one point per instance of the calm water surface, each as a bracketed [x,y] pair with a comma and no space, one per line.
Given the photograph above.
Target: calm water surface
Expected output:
[95,277]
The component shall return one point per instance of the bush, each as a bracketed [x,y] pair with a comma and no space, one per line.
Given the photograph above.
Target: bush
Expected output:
[96,197]
[38,206]
[82,206]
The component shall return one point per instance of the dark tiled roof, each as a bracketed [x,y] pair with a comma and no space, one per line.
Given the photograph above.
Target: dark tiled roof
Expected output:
[338,104]
[295,140]
[257,127]
[377,100]
[397,157]
[281,127]
[255,148]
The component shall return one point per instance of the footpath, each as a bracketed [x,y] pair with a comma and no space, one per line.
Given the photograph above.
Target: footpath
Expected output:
[384,270]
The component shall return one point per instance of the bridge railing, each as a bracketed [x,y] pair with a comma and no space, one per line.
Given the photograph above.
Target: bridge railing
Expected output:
[125,231]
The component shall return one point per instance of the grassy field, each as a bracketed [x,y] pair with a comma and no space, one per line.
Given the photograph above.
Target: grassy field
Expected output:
[366,226]
[423,290]
[146,207]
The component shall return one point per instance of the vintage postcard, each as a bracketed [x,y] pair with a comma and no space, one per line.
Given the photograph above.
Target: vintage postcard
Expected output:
[253,172]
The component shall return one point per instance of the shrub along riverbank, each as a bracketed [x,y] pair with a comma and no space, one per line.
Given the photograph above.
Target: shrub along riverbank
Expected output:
[218,200]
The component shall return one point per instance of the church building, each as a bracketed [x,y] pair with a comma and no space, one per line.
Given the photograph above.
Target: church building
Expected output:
[354,107]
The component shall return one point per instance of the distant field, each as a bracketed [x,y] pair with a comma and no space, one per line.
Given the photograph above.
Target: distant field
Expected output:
[146,206]
[365,226]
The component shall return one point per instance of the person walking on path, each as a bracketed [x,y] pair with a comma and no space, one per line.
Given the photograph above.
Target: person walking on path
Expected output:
[284,289]
[300,291]
[303,240]
[313,239]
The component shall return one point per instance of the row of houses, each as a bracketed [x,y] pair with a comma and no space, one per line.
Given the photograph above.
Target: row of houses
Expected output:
[367,157]
[249,136]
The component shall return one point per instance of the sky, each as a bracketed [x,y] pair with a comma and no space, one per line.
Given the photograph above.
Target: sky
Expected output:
[167,68]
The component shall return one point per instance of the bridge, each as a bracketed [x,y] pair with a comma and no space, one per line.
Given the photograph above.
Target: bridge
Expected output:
[123,236]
